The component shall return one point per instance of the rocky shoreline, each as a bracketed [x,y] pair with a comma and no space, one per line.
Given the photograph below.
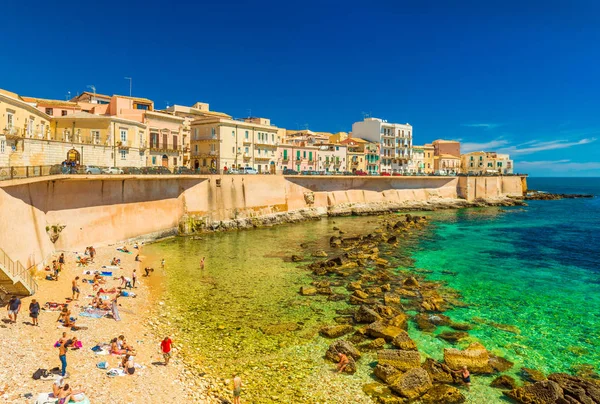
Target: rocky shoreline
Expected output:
[190,224]
[385,302]
[546,196]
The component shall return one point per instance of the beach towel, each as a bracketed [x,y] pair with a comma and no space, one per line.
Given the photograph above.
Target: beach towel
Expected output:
[116,372]
[48,398]
[121,250]
[106,273]
[52,306]
[113,267]
[115,312]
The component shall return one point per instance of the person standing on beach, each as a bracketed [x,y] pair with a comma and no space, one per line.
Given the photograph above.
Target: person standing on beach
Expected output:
[133,278]
[62,355]
[75,288]
[61,261]
[34,312]
[165,347]
[202,262]
[14,306]
[466,376]
[237,389]
[162,263]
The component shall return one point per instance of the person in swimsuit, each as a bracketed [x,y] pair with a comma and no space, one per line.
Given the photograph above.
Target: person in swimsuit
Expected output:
[75,288]
[342,363]
[129,365]
[237,388]
[466,377]
[202,262]
[66,394]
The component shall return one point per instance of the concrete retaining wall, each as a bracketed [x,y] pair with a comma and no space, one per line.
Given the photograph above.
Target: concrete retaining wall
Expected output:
[98,210]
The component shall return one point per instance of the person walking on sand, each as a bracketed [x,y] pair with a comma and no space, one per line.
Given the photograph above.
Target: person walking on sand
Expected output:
[133,278]
[202,262]
[34,312]
[75,288]
[237,389]
[61,261]
[165,347]
[62,355]
[162,263]
[14,306]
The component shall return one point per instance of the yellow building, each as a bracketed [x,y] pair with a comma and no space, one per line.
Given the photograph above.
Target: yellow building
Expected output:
[19,120]
[486,163]
[446,164]
[356,155]
[218,143]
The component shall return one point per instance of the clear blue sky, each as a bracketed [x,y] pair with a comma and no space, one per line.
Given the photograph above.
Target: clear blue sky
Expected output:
[516,76]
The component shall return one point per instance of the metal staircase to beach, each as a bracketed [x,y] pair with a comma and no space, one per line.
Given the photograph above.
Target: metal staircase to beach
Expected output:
[15,279]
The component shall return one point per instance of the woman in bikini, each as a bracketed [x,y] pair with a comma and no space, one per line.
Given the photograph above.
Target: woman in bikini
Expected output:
[65,316]
[67,394]
[115,349]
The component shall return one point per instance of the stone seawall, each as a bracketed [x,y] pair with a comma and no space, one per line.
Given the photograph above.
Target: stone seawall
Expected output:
[78,211]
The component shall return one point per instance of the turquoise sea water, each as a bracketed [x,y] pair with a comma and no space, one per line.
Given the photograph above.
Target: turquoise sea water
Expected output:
[528,276]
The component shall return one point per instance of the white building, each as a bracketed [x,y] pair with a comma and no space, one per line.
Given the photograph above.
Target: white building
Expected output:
[332,158]
[395,140]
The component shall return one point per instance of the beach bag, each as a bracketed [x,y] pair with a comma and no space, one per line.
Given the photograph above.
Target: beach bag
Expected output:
[112,373]
[38,374]
[96,348]
[102,365]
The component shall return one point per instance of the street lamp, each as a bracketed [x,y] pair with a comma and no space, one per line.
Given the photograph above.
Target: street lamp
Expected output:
[130,81]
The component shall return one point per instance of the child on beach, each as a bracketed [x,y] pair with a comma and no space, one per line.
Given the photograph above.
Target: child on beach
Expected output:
[165,347]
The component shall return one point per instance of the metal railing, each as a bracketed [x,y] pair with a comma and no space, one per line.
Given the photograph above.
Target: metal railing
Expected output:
[18,271]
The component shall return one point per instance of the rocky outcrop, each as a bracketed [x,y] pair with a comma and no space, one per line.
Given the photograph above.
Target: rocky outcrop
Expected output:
[364,314]
[54,230]
[404,342]
[544,392]
[412,384]
[308,291]
[443,394]
[546,196]
[344,347]
[453,336]
[475,357]
[401,360]
[335,331]
[531,375]
[387,373]
[380,329]
[504,382]
[439,372]
[583,390]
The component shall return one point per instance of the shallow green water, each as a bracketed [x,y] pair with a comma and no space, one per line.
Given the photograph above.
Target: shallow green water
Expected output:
[530,296]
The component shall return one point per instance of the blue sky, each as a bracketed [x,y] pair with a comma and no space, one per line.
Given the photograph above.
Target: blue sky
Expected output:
[515,76]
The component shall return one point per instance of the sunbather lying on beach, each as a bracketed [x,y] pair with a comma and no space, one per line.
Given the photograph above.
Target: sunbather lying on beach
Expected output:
[115,261]
[65,316]
[66,394]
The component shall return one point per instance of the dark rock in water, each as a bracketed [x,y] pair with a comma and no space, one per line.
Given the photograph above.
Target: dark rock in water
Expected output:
[344,347]
[453,336]
[504,382]
[387,373]
[439,372]
[423,323]
[381,394]
[296,258]
[449,273]
[304,245]
[334,331]
[438,319]
[583,390]
[344,320]
[401,360]
[279,328]
[337,261]
[392,240]
[308,291]
[335,228]
[443,394]
[500,364]
[364,314]
[531,375]
[461,326]
[335,241]
[336,298]
[391,298]
[542,392]
[380,329]
[410,282]
[546,196]
[404,342]
[348,311]
[412,384]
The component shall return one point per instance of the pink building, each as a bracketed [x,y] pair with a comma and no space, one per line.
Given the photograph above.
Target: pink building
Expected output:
[298,158]
[53,108]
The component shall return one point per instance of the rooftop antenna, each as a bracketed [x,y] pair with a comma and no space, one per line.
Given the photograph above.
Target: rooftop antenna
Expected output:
[249,112]
[68,96]
[130,81]
[93,88]
[366,115]
[167,104]
[306,126]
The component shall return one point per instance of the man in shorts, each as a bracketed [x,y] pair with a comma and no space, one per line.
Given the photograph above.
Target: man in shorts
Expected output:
[237,388]
[75,288]
[165,347]
[14,305]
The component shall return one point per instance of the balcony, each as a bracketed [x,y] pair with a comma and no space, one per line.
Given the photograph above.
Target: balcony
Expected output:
[246,156]
[264,158]
[265,143]
[123,145]
[163,149]
[13,133]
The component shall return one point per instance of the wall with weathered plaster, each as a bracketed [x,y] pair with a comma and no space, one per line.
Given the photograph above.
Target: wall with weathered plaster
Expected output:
[104,209]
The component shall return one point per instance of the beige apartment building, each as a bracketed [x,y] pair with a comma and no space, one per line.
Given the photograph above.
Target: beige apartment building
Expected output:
[423,159]
[220,143]
[486,163]
[165,144]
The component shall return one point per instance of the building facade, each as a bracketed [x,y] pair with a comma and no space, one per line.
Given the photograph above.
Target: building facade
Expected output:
[486,163]
[223,143]
[449,147]
[165,139]
[297,158]
[53,108]
[372,157]
[395,142]
[332,158]
[356,156]
[423,160]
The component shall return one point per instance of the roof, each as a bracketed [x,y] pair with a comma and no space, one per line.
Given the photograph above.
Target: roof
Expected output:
[116,95]
[10,94]
[445,141]
[449,156]
[14,97]
[87,115]
[53,103]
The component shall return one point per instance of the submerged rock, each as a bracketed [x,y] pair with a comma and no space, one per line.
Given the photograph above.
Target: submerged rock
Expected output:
[387,373]
[412,384]
[504,382]
[531,375]
[377,343]
[401,360]
[475,357]
[500,364]
[275,329]
[411,282]
[439,372]
[583,390]
[335,331]
[296,258]
[443,394]
[344,347]
[453,336]
[364,314]
[319,253]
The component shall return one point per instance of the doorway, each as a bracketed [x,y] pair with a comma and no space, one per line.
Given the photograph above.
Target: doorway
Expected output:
[165,161]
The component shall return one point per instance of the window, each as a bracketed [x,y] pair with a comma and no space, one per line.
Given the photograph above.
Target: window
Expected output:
[95,136]
[246,150]
[196,148]
[154,140]
[123,135]
[123,154]
[153,160]
[247,135]
[42,127]
[272,138]
[480,158]
[49,111]
[2,146]
[337,148]
[142,106]
[232,133]
[195,133]
[304,154]
[285,157]
[174,161]
[175,144]
[9,120]
[165,142]
[471,164]
[309,156]
[63,113]
[30,127]
[297,154]
[232,150]
[212,147]
[490,165]
[213,132]
[471,158]
[499,164]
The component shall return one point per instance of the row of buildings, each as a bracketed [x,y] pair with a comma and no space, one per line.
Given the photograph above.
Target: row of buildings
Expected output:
[121,131]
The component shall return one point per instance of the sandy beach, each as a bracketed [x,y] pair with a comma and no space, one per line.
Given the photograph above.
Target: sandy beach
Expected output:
[27,348]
